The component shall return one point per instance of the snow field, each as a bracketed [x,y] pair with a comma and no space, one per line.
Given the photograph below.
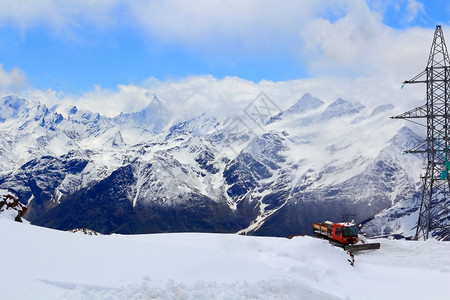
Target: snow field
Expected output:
[41,263]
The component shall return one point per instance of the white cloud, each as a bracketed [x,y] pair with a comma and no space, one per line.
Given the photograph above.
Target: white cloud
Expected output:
[205,26]
[127,98]
[194,95]
[359,44]
[202,20]
[413,9]
[165,19]
[189,97]
[11,82]
[356,44]
[333,38]
[60,16]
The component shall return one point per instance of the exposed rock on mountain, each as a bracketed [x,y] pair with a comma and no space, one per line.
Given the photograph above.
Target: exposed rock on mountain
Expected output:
[10,206]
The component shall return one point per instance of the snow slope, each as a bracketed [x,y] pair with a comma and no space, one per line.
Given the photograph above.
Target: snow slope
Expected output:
[40,263]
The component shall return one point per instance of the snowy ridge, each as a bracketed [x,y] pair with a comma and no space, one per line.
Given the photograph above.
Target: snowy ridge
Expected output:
[154,117]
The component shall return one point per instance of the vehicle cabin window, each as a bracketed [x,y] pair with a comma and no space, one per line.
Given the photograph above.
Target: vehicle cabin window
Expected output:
[337,231]
[349,231]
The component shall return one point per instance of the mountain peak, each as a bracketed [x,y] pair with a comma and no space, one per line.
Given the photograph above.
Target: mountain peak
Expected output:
[155,105]
[10,107]
[155,99]
[155,116]
[73,110]
[305,103]
[341,107]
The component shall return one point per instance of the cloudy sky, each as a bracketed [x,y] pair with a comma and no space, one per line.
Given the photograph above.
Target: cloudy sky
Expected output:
[98,50]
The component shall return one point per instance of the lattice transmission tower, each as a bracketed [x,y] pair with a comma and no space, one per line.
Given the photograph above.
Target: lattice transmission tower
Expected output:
[434,214]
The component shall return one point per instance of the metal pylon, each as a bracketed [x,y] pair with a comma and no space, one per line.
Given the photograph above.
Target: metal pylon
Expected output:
[434,215]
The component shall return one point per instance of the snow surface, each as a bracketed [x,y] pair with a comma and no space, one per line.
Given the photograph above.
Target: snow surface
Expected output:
[41,263]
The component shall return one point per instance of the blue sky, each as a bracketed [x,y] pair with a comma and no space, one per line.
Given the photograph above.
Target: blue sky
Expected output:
[73,46]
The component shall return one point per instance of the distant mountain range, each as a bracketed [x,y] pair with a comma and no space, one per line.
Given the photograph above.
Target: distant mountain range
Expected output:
[266,171]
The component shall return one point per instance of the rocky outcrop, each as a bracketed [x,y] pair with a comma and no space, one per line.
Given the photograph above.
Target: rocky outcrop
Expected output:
[85,231]
[10,205]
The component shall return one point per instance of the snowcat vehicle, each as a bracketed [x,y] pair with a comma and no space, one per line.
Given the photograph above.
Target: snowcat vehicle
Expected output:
[343,234]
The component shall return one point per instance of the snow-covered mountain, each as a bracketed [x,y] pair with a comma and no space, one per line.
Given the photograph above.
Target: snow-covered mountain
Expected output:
[154,117]
[150,171]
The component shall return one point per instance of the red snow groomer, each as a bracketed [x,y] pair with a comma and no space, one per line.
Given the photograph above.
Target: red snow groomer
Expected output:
[344,233]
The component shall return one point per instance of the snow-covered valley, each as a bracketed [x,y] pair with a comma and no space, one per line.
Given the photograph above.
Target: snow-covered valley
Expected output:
[42,263]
